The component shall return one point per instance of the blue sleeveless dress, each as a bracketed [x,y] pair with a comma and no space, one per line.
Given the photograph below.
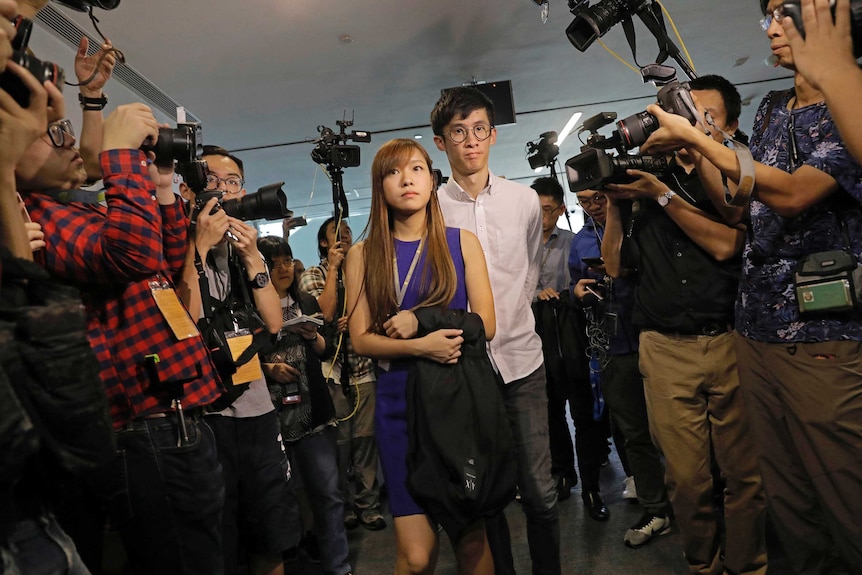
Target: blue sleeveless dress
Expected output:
[390,415]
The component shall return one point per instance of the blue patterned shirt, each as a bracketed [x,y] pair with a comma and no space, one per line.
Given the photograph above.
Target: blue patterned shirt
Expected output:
[766,309]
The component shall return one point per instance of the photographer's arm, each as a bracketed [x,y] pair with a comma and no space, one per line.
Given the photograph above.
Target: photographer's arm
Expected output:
[328,298]
[612,241]
[787,194]
[721,241]
[209,231]
[266,300]
[93,122]
[442,345]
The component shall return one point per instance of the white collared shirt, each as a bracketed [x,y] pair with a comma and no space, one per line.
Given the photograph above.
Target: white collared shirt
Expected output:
[507,218]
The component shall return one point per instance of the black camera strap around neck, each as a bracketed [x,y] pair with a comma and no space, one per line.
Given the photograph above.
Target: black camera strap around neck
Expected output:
[235,282]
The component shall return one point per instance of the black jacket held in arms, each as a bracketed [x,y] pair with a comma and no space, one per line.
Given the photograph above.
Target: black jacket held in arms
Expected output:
[461,463]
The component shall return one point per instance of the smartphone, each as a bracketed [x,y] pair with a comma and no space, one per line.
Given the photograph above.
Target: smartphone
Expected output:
[593,262]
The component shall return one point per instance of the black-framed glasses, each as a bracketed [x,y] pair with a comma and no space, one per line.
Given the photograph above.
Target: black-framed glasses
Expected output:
[459,134]
[551,209]
[231,183]
[58,131]
[596,199]
[776,14]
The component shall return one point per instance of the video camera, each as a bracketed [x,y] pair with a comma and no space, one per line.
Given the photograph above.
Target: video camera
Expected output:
[543,152]
[332,148]
[184,144]
[269,203]
[594,167]
[43,71]
[793,9]
[87,5]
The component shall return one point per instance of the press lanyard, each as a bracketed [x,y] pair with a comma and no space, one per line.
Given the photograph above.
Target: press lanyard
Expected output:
[402,290]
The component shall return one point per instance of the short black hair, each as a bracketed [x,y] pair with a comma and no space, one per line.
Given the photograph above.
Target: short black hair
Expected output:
[763,5]
[219,151]
[321,237]
[549,187]
[729,93]
[457,103]
[272,247]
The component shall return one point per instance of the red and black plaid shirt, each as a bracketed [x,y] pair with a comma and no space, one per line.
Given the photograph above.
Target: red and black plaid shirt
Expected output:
[111,254]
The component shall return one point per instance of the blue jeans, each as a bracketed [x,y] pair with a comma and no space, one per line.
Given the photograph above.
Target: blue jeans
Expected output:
[526,402]
[315,458]
[167,500]
[39,546]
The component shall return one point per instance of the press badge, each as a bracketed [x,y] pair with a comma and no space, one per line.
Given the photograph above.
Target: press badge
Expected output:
[238,341]
[173,310]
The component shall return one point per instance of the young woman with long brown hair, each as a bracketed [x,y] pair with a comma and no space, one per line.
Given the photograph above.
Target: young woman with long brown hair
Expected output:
[411,260]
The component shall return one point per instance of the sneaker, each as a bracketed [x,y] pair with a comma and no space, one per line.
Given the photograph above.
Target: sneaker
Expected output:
[351,521]
[644,530]
[372,520]
[630,491]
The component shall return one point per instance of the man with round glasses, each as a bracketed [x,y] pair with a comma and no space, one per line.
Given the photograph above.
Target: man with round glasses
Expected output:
[507,219]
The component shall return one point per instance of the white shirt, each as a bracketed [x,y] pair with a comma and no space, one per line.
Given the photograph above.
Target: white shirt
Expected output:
[507,219]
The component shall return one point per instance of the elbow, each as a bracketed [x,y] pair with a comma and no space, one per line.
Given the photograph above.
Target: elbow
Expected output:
[490,330]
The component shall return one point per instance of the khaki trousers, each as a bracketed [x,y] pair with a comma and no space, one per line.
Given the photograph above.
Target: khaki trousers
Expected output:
[694,403]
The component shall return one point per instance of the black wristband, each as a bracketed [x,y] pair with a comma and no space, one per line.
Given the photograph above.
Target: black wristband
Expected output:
[92,104]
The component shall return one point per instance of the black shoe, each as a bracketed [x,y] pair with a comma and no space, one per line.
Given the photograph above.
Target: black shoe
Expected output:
[595,506]
[372,520]
[351,521]
[565,483]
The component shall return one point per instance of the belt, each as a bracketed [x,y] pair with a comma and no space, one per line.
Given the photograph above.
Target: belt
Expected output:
[709,329]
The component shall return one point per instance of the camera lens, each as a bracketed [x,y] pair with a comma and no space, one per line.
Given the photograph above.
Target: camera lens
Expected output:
[637,128]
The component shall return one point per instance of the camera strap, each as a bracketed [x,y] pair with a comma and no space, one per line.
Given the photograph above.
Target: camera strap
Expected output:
[746,167]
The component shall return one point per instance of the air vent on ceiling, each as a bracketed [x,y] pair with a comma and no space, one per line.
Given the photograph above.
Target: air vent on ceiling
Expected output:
[69,31]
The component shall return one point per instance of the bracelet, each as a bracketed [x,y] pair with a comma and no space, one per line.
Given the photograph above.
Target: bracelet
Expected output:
[92,104]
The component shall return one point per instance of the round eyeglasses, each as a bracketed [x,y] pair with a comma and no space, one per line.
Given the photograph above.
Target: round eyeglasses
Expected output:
[58,131]
[231,184]
[776,14]
[459,134]
[596,199]
[285,263]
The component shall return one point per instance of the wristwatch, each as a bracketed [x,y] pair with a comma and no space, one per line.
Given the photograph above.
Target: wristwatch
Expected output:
[665,198]
[260,280]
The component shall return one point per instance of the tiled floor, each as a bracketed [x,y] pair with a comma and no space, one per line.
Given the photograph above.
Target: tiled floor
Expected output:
[587,546]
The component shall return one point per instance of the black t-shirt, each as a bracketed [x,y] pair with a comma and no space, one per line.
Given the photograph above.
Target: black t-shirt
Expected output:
[680,287]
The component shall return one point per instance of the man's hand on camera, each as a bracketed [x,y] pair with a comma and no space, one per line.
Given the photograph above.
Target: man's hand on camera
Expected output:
[826,52]
[8,10]
[244,238]
[210,228]
[675,132]
[19,127]
[85,65]
[129,126]
[335,256]
[548,294]
[646,186]
[402,325]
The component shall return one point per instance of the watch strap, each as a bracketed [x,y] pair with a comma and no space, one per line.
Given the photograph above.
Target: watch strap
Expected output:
[92,104]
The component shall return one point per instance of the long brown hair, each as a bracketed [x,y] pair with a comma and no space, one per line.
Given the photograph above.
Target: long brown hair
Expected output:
[438,273]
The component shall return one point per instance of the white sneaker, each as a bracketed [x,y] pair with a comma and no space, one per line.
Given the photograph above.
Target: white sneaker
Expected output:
[644,530]
[630,492]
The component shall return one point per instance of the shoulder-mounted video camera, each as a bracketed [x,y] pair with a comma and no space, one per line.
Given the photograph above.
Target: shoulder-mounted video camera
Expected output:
[43,71]
[332,148]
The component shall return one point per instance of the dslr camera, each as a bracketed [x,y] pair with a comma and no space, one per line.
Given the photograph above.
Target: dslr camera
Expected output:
[793,9]
[269,203]
[43,71]
[184,144]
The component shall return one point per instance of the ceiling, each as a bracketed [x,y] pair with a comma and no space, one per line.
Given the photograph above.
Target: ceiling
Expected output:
[262,75]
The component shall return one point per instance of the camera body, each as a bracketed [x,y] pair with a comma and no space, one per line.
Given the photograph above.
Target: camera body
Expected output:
[183,144]
[593,168]
[793,9]
[43,71]
[269,203]
[87,5]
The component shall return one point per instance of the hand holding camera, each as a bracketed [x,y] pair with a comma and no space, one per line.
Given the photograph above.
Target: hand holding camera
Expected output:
[211,226]
[674,132]
[645,186]
[128,126]
[20,126]
[824,50]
